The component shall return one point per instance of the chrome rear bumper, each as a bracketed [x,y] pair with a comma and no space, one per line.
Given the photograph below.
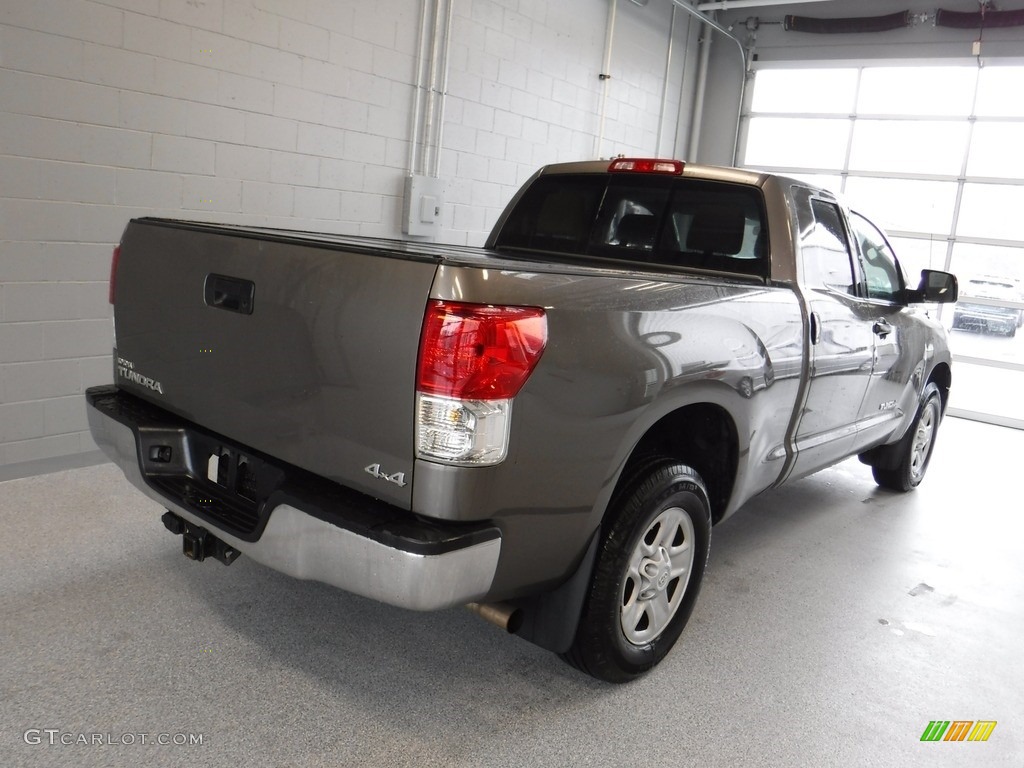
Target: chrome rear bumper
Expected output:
[438,570]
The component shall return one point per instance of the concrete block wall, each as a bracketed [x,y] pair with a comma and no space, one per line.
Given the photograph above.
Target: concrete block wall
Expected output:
[284,113]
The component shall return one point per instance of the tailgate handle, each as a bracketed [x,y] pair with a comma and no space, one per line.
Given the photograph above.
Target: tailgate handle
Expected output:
[230,293]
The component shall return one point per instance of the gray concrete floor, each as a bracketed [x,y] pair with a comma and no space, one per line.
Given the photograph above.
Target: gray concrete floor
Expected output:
[835,622]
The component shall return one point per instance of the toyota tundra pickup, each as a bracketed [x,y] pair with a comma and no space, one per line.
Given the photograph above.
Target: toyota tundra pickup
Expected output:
[545,428]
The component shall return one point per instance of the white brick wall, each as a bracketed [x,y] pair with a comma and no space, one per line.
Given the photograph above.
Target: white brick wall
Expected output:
[290,113]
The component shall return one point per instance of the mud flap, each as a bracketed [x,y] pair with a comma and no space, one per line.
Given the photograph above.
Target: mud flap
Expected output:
[550,619]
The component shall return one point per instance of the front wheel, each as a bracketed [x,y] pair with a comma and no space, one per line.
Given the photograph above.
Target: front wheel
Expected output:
[915,449]
[648,573]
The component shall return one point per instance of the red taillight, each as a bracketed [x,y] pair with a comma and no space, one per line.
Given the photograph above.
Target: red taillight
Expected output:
[647,165]
[478,351]
[114,259]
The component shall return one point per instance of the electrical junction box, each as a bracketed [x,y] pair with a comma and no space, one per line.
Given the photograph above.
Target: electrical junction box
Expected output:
[421,210]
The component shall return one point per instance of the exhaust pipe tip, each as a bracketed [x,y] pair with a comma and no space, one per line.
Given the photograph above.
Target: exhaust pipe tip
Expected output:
[503,615]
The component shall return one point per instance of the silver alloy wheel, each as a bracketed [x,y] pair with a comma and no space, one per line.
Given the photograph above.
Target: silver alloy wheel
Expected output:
[923,437]
[656,577]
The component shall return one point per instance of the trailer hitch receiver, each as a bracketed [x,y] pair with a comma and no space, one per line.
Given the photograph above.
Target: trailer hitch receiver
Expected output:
[197,543]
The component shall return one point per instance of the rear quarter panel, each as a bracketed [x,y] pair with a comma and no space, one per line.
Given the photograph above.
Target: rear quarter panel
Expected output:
[623,351]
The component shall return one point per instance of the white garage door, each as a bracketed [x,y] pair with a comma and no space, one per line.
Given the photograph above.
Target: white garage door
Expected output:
[935,154]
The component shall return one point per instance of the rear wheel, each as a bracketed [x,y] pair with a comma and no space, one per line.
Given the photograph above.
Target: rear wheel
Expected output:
[648,573]
[915,449]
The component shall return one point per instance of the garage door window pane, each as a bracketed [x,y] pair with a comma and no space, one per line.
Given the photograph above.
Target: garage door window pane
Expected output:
[993,211]
[833,184]
[915,255]
[805,90]
[988,390]
[933,147]
[795,143]
[903,204]
[1000,92]
[988,274]
[996,151]
[969,259]
[916,91]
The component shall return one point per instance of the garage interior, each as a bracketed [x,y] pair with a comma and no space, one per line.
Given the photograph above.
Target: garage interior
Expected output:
[837,620]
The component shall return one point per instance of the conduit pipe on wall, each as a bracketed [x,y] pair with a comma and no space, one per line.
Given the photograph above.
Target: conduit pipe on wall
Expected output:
[442,96]
[431,89]
[698,96]
[668,75]
[428,126]
[417,106]
[606,74]
[702,75]
[682,89]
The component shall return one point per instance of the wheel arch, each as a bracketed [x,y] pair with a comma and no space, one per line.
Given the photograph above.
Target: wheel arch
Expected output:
[701,435]
[942,377]
[691,434]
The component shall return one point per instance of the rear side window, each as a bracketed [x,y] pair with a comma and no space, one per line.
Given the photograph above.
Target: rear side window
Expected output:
[651,219]
[825,251]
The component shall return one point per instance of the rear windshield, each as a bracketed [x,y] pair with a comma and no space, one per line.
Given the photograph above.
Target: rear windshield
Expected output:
[651,219]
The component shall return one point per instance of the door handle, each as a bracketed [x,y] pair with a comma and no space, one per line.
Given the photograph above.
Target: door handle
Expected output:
[815,328]
[881,328]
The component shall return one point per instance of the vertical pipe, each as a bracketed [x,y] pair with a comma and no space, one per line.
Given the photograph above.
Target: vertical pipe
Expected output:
[428,128]
[682,88]
[668,74]
[739,108]
[606,73]
[443,95]
[698,97]
[743,83]
[417,106]
[742,129]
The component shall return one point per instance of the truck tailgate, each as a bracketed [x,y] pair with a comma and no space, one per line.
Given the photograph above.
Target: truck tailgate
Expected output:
[304,349]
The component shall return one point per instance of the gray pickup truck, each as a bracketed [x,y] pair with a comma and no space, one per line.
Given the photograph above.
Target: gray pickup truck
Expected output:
[546,428]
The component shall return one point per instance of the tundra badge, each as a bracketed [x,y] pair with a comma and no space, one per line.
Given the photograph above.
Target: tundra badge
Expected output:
[126,370]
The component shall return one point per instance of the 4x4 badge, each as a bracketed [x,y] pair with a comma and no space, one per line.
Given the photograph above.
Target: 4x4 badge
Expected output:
[398,478]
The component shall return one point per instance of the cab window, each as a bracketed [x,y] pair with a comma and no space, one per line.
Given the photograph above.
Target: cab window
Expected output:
[824,250]
[882,273]
[647,218]
[556,214]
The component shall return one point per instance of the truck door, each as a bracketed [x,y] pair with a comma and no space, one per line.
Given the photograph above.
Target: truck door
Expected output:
[899,338]
[840,341]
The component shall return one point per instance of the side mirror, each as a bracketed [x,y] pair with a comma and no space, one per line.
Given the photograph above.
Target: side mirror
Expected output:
[936,288]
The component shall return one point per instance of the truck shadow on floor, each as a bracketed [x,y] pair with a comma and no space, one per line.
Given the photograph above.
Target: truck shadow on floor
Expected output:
[444,662]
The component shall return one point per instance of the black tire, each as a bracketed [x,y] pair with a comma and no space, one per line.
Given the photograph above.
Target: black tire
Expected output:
[649,568]
[915,448]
